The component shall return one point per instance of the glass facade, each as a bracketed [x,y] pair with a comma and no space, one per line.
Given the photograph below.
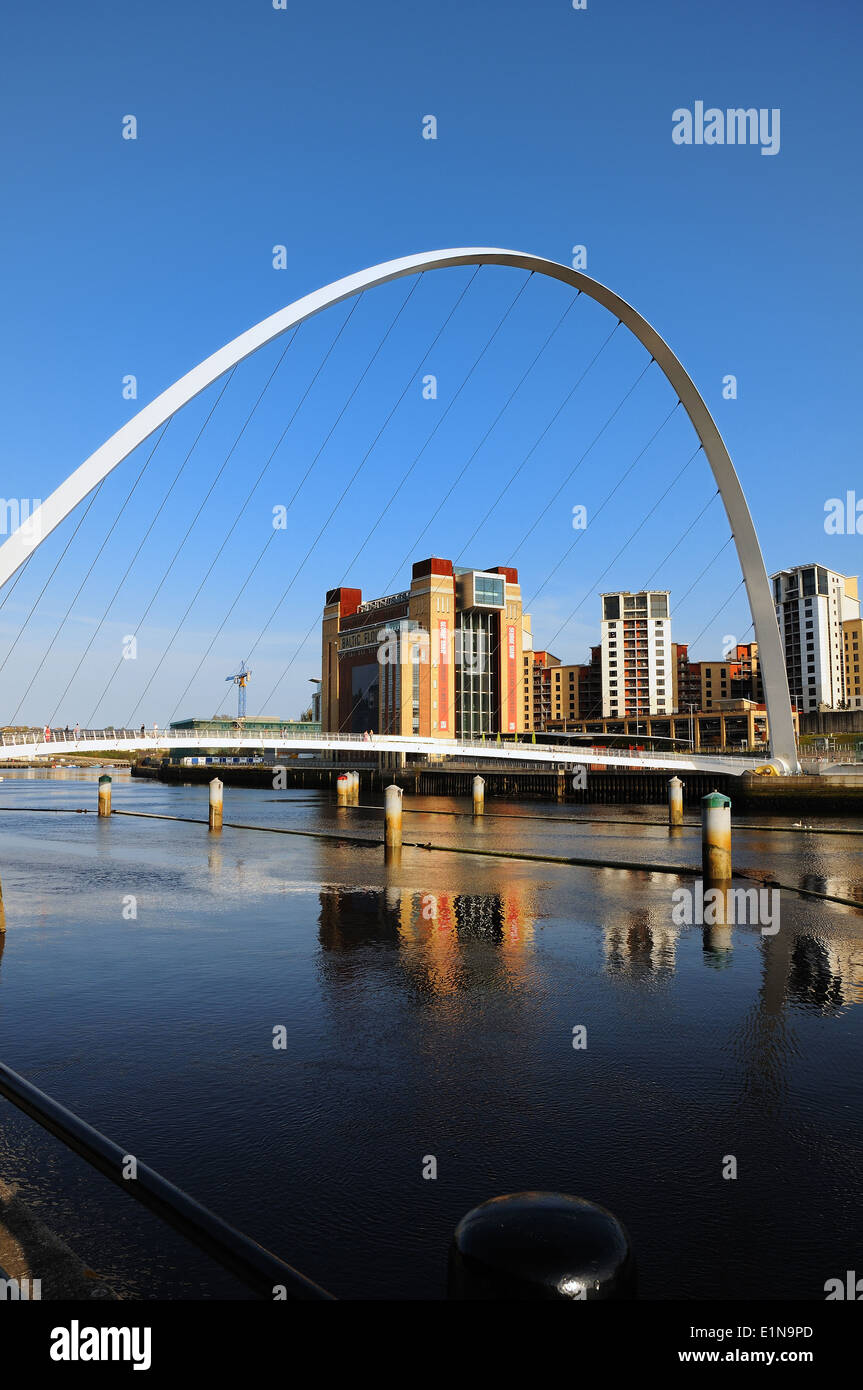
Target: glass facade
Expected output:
[477,687]
[365,694]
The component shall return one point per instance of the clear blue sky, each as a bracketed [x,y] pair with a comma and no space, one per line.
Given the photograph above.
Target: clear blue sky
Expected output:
[302,127]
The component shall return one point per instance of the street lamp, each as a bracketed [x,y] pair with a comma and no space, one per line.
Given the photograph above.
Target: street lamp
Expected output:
[691,707]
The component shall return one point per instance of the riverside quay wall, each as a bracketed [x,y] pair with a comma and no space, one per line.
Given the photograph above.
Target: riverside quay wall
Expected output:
[835,795]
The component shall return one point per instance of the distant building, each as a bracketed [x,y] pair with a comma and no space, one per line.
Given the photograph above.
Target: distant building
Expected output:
[736,677]
[250,724]
[442,659]
[852,641]
[686,679]
[733,727]
[538,668]
[554,691]
[636,654]
[813,604]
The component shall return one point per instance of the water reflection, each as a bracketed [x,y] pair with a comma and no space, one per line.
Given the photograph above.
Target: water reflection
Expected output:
[825,976]
[432,932]
[832,887]
[640,946]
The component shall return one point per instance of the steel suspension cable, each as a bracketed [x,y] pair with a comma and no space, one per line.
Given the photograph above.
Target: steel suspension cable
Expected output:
[564,403]
[712,620]
[92,566]
[681,538]
[464,383]
[94,494]
[710,563]
[161,507]
[326,440]
[193,521]
[412,466]
[575,469]
[20,572]
[356,471]
[234,524]
[467,378]
[605,501]
[592,588]
[510,398]
[393,496]
[269,539]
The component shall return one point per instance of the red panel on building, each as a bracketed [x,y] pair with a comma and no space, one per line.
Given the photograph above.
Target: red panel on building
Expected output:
[443,674]
[511,676]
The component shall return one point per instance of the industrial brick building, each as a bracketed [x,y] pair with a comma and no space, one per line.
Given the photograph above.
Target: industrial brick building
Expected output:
[442,659]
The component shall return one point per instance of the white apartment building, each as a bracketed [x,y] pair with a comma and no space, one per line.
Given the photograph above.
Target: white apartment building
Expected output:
[636,654]
[812,603]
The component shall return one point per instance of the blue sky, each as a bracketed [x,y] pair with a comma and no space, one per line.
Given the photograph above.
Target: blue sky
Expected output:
[303,127]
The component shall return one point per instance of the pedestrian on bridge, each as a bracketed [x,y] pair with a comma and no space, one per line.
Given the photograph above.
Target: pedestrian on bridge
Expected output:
[77,732]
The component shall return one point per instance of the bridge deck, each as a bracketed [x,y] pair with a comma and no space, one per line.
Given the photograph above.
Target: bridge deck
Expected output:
[26,746]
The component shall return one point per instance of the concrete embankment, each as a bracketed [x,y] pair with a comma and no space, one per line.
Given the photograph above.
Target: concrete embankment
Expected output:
[828,796]
[31,1252]
[512,783]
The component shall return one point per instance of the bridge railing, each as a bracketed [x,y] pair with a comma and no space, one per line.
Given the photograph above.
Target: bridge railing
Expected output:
[450,748]
[260,1270]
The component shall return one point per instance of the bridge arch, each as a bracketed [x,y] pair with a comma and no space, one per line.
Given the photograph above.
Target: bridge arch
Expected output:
[79,484]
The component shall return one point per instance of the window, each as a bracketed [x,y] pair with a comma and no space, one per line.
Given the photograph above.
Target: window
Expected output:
[488,591]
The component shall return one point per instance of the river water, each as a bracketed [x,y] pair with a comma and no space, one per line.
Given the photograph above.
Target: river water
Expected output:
[428,1011]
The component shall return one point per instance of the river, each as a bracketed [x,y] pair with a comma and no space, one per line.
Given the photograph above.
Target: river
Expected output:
[428,1010]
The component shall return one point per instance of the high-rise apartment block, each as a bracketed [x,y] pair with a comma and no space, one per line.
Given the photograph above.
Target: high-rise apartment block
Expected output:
[637,673]
[813,604]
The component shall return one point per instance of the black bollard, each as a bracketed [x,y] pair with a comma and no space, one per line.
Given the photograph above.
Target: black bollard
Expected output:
[540,1245]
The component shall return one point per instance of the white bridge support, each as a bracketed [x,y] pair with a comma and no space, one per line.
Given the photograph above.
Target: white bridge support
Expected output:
[80,483]
[28,746]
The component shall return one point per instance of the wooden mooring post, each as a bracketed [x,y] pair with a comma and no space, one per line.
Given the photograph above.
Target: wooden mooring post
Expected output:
[392,822]
[216,804]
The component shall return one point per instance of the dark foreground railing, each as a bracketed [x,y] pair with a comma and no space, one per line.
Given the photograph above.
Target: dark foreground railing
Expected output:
[256,1267]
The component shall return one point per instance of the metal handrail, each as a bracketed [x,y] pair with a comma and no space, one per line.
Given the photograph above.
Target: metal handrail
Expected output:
[254,1265]
[198,737]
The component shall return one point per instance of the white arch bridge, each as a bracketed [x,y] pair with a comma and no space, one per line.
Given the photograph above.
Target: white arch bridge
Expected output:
[26,746]
[89,475]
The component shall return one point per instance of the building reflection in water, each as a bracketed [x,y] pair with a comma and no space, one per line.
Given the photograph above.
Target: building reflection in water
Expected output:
[431,931]
[824,973]
[641,945]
